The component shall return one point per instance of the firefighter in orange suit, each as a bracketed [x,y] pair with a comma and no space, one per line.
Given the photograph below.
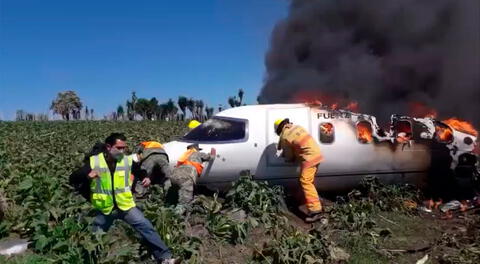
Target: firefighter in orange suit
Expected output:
[298,145]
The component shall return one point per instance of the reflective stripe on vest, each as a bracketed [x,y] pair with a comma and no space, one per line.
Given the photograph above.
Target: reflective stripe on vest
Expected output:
[103,189]
[184,160]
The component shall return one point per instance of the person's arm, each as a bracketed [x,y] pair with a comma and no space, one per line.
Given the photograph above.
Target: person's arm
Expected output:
[79,176]
[79,180]
[148,167]
[205,157]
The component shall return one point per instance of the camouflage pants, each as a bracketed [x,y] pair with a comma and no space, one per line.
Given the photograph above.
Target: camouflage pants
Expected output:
[185,178]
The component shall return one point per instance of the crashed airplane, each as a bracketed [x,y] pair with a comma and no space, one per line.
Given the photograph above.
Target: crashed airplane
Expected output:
[353,145]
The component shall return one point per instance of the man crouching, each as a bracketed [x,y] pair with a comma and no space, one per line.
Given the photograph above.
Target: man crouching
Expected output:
[189,168]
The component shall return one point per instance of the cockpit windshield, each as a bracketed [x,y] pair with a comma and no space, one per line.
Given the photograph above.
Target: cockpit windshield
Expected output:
[218,129]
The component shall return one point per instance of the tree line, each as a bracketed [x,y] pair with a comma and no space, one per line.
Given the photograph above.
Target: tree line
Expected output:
[68,105]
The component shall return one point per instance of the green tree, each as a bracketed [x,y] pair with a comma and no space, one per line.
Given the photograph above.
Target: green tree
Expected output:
[240,96]
[182,103]
[231,101]
[199,109]
[171,110]
[20,115]
[234,102]
[86,112]
[67,104]
[131,106]
[191,107]
[142,108]
[120,112]
[209,111]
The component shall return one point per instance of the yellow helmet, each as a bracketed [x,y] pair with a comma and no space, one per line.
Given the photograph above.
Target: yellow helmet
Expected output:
[193,124]
[279,123]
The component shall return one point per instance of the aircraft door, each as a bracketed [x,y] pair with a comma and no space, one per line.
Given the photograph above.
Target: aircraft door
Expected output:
[275,166]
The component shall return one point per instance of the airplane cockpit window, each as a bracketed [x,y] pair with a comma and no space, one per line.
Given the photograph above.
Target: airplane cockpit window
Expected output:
[218,129]
[443,133]
[364,132]
[327,133]
[403,131]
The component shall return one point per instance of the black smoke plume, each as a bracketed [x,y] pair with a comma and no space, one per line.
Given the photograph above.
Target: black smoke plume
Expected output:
[385,54]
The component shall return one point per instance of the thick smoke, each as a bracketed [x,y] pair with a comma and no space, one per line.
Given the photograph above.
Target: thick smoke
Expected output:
[385,54]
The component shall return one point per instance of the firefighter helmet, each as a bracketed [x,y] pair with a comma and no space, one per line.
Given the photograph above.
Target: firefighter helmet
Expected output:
[193,124]
[279,124]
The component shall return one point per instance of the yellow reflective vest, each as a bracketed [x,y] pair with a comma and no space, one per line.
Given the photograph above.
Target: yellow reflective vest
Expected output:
[297,143]
[104,191]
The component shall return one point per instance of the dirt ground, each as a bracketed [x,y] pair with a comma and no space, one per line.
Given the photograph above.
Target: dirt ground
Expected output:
[410,238]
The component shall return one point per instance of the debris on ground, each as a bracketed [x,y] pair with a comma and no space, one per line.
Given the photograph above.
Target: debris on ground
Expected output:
[423,260]
[13,246]
[452,205]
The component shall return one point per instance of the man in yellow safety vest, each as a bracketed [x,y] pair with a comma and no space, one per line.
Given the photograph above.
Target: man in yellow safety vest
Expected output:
[111,174]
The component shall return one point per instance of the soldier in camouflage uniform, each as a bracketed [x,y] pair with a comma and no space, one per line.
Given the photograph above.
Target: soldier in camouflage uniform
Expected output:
[154,165]
[189,168]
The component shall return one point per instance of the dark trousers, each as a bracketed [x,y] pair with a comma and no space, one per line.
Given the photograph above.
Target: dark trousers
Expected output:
[134,217]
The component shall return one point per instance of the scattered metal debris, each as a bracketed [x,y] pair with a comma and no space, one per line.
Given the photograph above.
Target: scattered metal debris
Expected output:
[13,246]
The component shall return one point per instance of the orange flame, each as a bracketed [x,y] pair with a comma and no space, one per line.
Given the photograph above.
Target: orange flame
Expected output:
[364,132]
[462,126]
[327,128]
[325,100]
[444,133]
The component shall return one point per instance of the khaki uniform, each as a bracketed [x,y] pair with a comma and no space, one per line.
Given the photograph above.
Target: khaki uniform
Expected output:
[185,174]
[154,163]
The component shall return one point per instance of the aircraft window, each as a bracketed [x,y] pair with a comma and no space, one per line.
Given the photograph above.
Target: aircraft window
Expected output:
[403,131]
[443,133]
[364,132]
[218,129]
[327,133]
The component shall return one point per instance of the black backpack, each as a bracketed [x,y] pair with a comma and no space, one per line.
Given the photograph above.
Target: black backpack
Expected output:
[81,184]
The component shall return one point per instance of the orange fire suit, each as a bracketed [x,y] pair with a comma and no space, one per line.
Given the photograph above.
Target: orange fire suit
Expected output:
[298,145]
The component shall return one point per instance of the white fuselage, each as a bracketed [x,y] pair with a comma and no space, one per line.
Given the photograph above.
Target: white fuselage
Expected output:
[346,159]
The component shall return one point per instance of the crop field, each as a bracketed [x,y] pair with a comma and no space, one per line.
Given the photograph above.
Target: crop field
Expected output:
[249,224]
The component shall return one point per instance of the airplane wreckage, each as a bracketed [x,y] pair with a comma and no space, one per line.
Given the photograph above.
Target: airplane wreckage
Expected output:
[353,145]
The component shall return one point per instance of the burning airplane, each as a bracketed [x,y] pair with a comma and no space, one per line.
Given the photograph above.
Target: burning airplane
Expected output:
[353,146]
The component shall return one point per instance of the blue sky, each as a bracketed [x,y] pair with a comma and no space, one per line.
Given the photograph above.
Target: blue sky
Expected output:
[104,50]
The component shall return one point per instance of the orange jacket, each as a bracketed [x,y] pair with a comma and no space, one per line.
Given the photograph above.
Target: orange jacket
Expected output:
[151,144]
[296,142]
[184,160]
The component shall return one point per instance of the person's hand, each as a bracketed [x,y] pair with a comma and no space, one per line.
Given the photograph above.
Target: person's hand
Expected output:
[146,182]
[93,174]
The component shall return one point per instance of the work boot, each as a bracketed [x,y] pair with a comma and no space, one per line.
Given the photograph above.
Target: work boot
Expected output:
[314,216]
[180,209]
[170,261]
